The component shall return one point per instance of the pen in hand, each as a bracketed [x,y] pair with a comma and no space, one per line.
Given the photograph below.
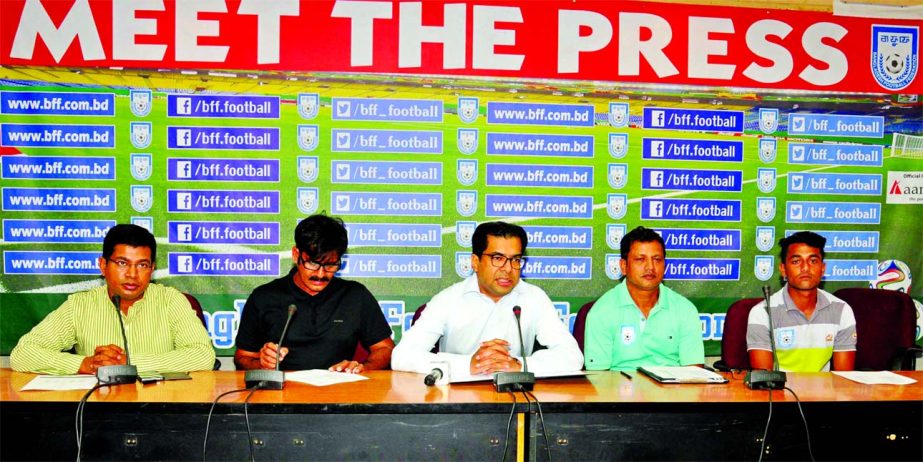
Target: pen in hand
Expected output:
[625,374]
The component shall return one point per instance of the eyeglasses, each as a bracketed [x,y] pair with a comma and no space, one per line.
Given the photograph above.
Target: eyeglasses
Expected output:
[498,260]
[123,265]
[311,265]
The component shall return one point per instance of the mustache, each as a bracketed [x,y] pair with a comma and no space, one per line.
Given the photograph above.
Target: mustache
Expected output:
[319,279]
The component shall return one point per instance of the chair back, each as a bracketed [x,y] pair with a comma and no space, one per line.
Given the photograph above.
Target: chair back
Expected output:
[885,327]
[580,323]
[197,307]
[416,314]
[734,336]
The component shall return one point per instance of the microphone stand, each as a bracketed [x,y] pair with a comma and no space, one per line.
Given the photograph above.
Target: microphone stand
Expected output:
[767,380]
[120,373]
[516,381]
[270,379]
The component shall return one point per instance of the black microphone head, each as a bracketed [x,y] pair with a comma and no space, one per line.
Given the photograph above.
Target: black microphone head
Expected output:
[517,311]
[292,309]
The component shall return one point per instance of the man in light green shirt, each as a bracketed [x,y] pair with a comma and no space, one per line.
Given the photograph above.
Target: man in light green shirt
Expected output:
[641,322]
[164,334]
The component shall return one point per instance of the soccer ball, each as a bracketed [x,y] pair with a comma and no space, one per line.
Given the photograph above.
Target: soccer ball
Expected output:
[893,275]
[894,63]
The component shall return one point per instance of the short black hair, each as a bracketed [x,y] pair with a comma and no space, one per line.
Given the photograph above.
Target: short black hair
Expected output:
[130,235]
[640,234]
[803,237]
[496,229]
[318,235]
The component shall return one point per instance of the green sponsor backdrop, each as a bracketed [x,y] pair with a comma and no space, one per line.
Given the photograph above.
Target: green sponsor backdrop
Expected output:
[27,299]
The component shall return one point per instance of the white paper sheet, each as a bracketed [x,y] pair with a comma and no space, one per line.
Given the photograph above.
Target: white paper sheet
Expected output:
[322,377]
[61,382]
[875,377]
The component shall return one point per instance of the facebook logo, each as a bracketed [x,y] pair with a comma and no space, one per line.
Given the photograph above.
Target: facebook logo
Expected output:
[657,147]
[184,233]
[656,178]
[184,201]
[184,106]
[184,169]
[184,264]
[656,209]
[184,137]
[657,118]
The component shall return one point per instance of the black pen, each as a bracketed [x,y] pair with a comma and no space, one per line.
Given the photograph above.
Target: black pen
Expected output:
[625,374]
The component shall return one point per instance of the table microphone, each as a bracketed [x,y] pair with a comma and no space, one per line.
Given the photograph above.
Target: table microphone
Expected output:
[767,380]
[433,377]
[120,373]
[271,379]
[516,381]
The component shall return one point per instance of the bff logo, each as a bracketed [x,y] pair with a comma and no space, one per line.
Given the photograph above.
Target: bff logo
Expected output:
[618,115]
[141,166]
[141,102]
[308,137]
[141,134]
[142,197]
[308,105]
[468,109]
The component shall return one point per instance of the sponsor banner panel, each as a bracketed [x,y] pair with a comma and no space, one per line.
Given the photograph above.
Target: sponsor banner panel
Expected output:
[218,169]
[223,232]
[701,239]
[57,136]
[56,231]
[386,203]
[223,264]
[548,267]
[391,266]
[223,106]
[58,200]
[394,235]
[847,241]
[385,172]
[57,168]
[540,176]
[56,103]
[702,269]
[560,237]
[387,110]
[28,262]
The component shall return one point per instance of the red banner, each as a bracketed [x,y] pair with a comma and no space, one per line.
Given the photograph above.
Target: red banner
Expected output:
[623,41]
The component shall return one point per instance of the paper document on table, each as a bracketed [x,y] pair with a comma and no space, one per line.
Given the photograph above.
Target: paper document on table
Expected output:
[681,374]
[875,377]
[322,377]
[61,382]
[462,378]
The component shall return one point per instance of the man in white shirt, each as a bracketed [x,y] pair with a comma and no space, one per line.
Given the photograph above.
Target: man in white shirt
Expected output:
[473,320]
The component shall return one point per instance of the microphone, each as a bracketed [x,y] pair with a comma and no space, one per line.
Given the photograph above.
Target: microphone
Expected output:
[433,377]
[271,379]
[118,374]
[516,381]
[767,380]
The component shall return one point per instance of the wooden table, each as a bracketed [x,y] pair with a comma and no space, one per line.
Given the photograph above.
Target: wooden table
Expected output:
[393,416]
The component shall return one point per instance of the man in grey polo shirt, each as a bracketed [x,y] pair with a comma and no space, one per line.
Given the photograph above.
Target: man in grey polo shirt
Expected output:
[812,328]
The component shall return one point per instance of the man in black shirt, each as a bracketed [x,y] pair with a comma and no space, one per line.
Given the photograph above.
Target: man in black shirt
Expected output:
[333,316]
